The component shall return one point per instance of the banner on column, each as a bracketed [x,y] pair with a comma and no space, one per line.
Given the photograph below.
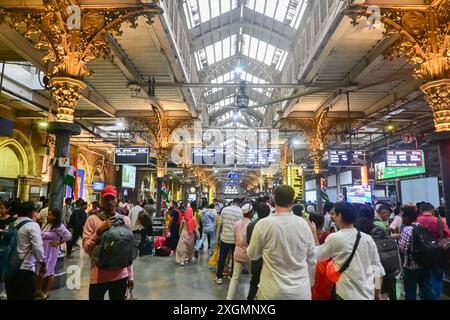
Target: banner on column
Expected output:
[297,181]
[79,185]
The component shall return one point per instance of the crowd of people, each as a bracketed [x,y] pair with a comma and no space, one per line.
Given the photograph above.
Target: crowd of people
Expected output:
[290,251]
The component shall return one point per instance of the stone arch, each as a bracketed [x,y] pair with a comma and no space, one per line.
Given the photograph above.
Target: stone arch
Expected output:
[98,167]
[84,163]
[24,151]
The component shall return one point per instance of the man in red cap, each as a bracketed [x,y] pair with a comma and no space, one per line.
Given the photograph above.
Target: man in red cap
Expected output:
[115,281]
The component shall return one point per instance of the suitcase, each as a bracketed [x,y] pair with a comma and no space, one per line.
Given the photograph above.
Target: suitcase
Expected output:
[162,251]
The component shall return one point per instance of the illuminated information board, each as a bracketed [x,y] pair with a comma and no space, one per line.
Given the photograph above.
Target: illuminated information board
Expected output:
[208,156]
[262,157]
[346,158]
[404,158]
[136,156]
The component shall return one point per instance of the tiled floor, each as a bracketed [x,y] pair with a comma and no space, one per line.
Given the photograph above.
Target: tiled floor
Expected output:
[159,278]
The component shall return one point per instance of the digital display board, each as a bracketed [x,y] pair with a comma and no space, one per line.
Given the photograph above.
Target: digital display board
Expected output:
[135,156]
[296,180]
[262,157]
[128,177]
[98,186]
[234,176]
[208,156]
[346,158]
[404,158]
[359,194]
[382,172]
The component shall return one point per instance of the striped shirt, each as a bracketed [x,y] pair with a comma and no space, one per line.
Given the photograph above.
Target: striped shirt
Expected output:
[405,244]
[228,218]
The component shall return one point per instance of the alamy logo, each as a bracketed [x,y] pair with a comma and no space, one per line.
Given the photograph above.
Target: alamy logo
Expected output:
[74,19]
[374,19]
[73,281]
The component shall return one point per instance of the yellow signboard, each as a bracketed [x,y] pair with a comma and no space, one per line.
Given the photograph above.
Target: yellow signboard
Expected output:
[296,180]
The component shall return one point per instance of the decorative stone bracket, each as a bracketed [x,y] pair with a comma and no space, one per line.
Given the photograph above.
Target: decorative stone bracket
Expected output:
[424,41]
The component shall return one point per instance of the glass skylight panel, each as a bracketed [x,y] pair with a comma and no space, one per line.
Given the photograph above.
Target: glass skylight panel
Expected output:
[200,11]
[270,8]
[261,110]
[216,52]
[262,47]
[269,56]
[262,51]
[286,11]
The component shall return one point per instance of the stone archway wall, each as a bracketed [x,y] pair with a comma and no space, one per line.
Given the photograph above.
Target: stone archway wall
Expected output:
[22,147]
[25,153]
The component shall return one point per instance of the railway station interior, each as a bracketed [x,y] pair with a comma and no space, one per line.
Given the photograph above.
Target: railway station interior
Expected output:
[225,149]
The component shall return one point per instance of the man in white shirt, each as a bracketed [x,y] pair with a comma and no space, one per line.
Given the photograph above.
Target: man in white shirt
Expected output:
[67,212]
[133,215]
[30,250]
[363,278]
[286,244]
[227,219]
[42,216]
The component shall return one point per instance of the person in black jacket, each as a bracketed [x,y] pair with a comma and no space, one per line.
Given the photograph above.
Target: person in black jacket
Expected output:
[263,211]
[76,225]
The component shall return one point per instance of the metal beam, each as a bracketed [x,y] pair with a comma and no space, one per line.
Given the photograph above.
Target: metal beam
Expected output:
[229,29]
[270,72]
[234,85]
[330,115]
[135,113]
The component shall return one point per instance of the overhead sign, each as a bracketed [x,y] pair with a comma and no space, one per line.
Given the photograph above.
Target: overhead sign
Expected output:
[382,172]
[234,176]
[404,158]
[98,186]
[346,158]
[134,156]
[262,157]
[208,156]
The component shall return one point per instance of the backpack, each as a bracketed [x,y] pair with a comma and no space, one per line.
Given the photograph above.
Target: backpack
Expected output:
[118,246]
[444,244]
[388,252]
[425,249]
[9,258]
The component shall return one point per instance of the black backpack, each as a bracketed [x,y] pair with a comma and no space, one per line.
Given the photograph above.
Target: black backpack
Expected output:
[118,246]
[388,252]
[425,249]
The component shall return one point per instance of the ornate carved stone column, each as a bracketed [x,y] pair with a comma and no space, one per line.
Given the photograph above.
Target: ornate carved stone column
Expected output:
[159,129]
[70,36]
[285,159]
[317,132]
[24,188]
[424,41]
[186,180]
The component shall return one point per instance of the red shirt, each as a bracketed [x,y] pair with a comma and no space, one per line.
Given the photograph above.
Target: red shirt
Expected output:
[431,223]
[322,286]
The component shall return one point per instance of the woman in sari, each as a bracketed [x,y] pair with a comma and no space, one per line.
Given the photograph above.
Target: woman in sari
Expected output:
[188,235]
[174,226]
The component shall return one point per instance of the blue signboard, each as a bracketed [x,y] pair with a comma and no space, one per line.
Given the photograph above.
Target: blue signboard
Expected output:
[98,186]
